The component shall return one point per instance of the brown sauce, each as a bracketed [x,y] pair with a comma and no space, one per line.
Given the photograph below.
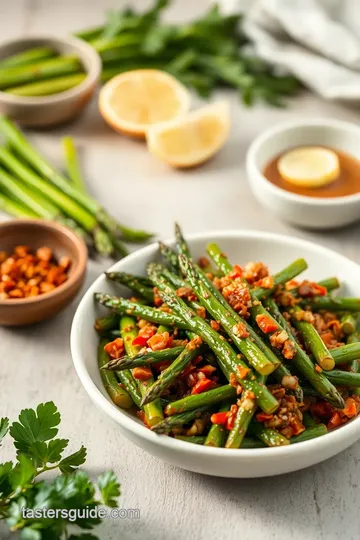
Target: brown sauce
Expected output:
[347,183]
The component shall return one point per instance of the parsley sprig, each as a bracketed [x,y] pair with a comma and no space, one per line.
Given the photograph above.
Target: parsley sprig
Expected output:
[39,450]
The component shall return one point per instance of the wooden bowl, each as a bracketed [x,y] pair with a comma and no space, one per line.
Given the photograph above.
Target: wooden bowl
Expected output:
[36,233]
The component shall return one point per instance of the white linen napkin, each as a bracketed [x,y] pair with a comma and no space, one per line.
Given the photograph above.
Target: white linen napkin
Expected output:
[316,40]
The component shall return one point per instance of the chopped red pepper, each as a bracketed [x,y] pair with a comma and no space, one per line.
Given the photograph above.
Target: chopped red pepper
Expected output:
[231,417]
[351,409]
[335,421]
[219,418]
[202,386]
[236,272]
[320,290]
[266,324]
[262,417]
[115,349]
[207,370]
[139,341]
[142,373]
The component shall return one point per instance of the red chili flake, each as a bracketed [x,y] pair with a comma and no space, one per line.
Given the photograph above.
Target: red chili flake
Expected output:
[139,341]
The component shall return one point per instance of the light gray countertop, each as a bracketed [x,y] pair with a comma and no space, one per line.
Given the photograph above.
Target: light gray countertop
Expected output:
[319,503]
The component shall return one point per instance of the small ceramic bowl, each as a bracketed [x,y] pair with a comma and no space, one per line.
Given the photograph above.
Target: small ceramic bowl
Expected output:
[309,212]
[57,108]
[36,233]
[241,246]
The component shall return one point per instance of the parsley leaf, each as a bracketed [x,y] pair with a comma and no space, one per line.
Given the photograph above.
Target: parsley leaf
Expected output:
[23,472]
[109,488]
[85,536]
[68,464]
[35,426]
[48,453]
[5,486]
[4,428]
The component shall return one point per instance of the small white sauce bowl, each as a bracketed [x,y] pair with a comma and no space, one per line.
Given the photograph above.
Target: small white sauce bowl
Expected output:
[240,246]
[300,210]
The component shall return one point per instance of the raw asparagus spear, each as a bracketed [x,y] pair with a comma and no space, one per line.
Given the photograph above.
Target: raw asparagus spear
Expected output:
[72,164]
[27,57]
[47,87]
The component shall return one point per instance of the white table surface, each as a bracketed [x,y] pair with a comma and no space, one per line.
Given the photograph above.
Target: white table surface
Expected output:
[35,363]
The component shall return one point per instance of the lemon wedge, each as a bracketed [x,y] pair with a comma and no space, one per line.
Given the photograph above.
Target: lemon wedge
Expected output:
[309,166]
[192,139]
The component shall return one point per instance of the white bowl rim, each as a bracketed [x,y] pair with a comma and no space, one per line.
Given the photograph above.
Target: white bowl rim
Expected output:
[263,138]
[83,49]
[170,443]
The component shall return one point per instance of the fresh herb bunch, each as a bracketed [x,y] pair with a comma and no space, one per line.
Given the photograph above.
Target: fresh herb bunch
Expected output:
[205,53]
[38,451]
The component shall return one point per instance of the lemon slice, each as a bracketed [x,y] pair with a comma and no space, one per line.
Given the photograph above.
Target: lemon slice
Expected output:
[309,166]
[192,139]
[135,100]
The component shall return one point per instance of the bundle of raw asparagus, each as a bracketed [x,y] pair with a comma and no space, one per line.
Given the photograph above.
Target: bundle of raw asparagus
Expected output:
[32,187]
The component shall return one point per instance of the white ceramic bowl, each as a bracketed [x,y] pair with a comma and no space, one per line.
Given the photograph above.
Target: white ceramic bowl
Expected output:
[241,246]
[310,212]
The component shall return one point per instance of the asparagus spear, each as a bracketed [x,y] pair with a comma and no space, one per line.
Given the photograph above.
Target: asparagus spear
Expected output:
[72,163]
[257,308]
[195,439]
[144,359]
[168,376]
[243,418]
[347,353]
[228,360]
[328,303]
[28,57]
[250,443]
[310,433]
[134,283]
[217,433]
[230,323]
[153,411]
[195,401]
[270,437]
[15,208]
[343,378]
[42,166]
[181,244]
[45,69]
[348,324]
[288,273]
[354,339]
[330,283]
[253,334]
[120,305]
[118,395]
[105,324]
[170,257]
[302,363]
[47,87]
[178,420]
[313,341]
